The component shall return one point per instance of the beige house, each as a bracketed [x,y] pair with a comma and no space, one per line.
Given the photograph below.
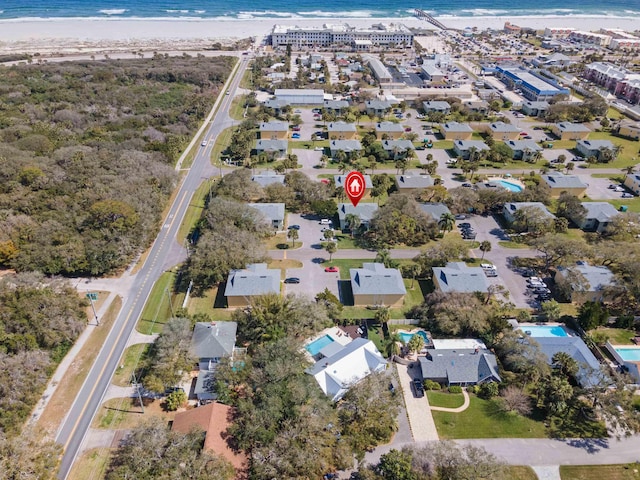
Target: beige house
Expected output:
[583,282]
[557,182]
[341,131]
[570,131]
[456,131]
[255,280]
[632,182]
[274,130]
[375,284]
[501,131]
[630,130]
[389,130]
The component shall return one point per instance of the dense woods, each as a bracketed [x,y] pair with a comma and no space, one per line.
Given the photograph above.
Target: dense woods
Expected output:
[39,321]
[86,155]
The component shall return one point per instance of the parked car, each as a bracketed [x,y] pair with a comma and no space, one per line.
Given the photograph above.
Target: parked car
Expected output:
[331,269]
[295,135]
[464,225]
[292,280]
[627,195]
[294,227]
[325,221]
[418,387]
[461,216]
[467,185]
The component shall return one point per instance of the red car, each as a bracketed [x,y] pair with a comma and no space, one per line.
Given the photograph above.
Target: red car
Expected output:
[407,129]
[331,269]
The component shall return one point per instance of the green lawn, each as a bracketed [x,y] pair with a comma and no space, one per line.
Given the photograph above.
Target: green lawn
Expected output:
[194,210]
[600,472]
[628,156]
[443,144]
[511,244]
[157,310]
[444,399]
[618,336]
[129,362]
[483,419]
[632,204]
[521,473]
[222,142]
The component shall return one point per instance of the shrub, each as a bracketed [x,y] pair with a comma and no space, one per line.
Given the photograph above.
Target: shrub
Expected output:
[431,385]
[488,390]
[175,400]
[455,389]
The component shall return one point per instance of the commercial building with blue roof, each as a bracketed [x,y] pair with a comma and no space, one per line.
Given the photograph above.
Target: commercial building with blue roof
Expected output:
[532,86]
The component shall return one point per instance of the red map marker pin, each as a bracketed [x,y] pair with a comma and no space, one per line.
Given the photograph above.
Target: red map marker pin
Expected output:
[354,187]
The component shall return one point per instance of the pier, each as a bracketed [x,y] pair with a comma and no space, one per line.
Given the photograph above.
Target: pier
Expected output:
[425,16]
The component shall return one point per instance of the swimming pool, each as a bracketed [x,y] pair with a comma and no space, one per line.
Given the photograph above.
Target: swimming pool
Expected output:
[406,336]
[629,354]
[544,330]
[512,187]
[318,344]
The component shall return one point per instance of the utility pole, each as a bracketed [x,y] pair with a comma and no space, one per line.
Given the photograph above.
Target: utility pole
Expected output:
[170,302]
[137,387]
[93,296]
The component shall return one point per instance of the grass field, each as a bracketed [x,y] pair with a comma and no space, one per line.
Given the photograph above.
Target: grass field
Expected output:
[130,361]
[272,243]
[628,156]
[483,419]
[445,399]
[600,472]
[122,413]
[522,473]
[157,310]
[222,142]
[618,336]
[194,210]
[91,464]
[205,303]
[632,204]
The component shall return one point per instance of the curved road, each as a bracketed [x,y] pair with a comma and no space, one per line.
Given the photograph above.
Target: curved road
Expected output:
[165,253]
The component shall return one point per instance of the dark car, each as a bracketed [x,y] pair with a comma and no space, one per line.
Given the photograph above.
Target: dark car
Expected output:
[418,387]
[467,185]
[292,280]
[294,227]
[464,225]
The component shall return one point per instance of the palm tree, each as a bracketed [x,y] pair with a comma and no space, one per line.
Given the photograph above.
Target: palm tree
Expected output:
[331,248]
[382,315]
[353,222]
[447,222]
[293,236]
[485,246]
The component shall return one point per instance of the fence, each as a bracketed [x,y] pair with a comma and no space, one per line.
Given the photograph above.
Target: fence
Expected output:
[403,321]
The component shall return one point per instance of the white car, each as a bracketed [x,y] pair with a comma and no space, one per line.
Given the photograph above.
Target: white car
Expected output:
[204,143]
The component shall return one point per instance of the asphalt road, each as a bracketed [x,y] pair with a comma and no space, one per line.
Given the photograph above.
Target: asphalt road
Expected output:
[165,253]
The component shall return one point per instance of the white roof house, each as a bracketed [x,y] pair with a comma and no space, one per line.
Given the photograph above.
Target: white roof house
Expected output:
[337,373]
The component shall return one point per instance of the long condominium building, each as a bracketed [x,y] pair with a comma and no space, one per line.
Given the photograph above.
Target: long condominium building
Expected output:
[618,80]
[534,87]
[381,34]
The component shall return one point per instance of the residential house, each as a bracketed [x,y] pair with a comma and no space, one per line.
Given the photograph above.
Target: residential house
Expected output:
[458,277]
[434,210]
[632,182]
[412,182]
[277,105]
[570,131]
[336,106]
[274,130]
[558,182]
[375,284]
[300,96]
[368,184]
[594,148]
[597,217]
[214,419]
[277,148]
[523,149]
[463,367]
[210,343]
[436,106]
[397,148]
[346,146]
[255,280]
[509,209]
[276,77]
[464,148]
[364,211]
[341,131]
[349,365]
[534,109]
[389,130]
[265,179]
[377,108]
[504,131]
[588,365]
[629,130]
[432,73]
[456,131]
[583,282]
[272,212]
[477,106]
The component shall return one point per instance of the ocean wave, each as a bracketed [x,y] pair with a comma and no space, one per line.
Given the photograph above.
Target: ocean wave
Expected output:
[177,11]
[267,13]
[113,11]
[200,12]
[342,14]
[484,12]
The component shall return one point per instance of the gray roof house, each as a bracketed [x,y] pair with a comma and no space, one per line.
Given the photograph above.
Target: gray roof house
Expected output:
[533,108]
[267,178]
[437,106]
[274,127]
[570,131]
[509,209]
[460,366]
[583,282]
[277,147]
[523,149]
[364,211]
[458,277]
[272,212]
[210,342]
[276,104]
[339,129]
[389,128]
[400,146]
[339,181]
[597,217]
[253,281]
[558,182]
[336,105]
[375,284]
[346,146]
[479,106]
[591,148]
[413,181]
[503,131]
[463,147]
[588,364]
[431,72]
[456,131]
[377,107]
[434,210]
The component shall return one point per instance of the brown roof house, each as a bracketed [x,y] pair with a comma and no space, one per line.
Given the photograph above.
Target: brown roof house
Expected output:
[213,419]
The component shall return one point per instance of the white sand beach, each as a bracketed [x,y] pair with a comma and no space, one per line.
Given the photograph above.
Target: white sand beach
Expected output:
[47,36]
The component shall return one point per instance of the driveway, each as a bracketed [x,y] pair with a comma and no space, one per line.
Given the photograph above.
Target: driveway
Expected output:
[421,421]
[487,228]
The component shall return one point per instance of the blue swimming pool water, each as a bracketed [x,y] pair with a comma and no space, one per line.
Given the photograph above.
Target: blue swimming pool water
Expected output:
[510,186]
[318,344]
[405,336]
[629,354]
[544,331]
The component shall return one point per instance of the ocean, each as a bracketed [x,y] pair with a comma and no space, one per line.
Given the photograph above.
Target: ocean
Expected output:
[246,9]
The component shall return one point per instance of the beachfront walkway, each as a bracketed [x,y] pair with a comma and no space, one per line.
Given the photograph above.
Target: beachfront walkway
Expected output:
[459,409]
[421,421]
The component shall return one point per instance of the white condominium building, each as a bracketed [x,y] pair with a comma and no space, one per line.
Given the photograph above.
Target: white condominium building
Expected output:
[381,34]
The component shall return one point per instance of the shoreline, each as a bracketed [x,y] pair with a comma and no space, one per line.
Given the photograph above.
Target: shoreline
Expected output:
[82,34]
